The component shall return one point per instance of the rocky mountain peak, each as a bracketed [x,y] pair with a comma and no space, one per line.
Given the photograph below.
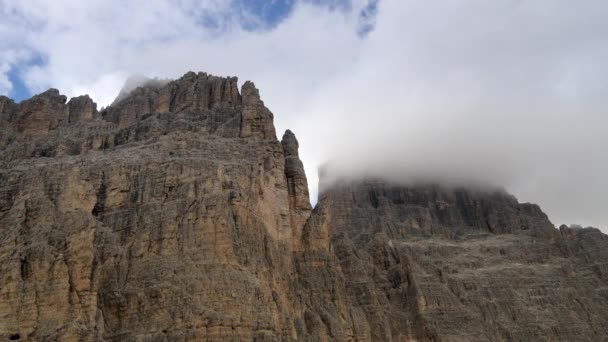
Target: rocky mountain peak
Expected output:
[81,108]
[212,98]
[138,81]
[7,108]
[41,113]
[193,92]
[297,186]
[46,111]
[257,118]
[176,214]
[214,101]
[290,144]
[251,94]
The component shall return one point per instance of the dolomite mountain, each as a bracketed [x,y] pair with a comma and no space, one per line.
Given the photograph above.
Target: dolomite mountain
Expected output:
[175,214]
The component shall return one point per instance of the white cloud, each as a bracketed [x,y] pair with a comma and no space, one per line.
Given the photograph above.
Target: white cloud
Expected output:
[504,91]
[5,83]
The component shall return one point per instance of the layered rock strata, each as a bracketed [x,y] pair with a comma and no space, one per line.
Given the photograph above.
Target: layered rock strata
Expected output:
[176,214]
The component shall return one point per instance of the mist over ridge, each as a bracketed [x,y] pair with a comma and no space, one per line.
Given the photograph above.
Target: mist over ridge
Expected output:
[303,170]
[503,92]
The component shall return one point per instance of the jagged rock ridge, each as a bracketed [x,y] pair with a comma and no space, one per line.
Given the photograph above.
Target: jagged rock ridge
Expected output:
[176,214]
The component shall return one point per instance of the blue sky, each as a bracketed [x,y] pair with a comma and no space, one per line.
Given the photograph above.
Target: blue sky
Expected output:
[251,16]
[20,91]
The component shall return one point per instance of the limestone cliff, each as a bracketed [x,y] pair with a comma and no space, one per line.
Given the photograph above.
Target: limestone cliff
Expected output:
[429,263]
[176,214]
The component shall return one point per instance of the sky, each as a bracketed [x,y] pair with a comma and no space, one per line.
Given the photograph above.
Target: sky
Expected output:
[505,92]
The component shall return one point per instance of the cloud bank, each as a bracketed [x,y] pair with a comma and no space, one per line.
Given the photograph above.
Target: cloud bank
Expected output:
[504,92]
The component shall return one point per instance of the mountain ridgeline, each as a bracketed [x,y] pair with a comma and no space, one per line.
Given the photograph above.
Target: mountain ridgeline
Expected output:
[175,214]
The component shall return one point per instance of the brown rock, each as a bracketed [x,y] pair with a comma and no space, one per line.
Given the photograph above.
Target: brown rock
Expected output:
[81,108]
[170,227]
[46,112]
[179,216]
[41,113]
[297,185]
[257,120]
[208,96]
[7,108]
[430,263]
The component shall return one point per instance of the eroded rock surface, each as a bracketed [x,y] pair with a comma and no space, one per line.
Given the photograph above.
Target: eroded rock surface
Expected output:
[429,263]
[153,220]
[176,214]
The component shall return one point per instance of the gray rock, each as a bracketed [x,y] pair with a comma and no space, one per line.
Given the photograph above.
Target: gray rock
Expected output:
[430,263]
[176,214]
[81,108]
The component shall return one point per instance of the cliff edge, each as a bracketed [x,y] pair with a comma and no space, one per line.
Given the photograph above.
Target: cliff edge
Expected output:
[176,214]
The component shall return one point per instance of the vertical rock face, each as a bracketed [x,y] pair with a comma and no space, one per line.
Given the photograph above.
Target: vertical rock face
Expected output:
[81,108]
[297,186]
[7,108]
[41,113]
[428,263]
[257,119]
[46,112]
[212,97]
[176,214]
[157,220]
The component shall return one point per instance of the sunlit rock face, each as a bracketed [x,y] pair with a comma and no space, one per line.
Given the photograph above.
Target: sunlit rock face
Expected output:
[177,214]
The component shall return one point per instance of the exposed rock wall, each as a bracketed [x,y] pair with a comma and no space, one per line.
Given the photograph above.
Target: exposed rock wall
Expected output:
[176,214]
[214,97]
[297,187]
[146,224]
[435,264]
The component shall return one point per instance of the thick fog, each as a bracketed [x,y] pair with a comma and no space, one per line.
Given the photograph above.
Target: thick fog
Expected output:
[507,92]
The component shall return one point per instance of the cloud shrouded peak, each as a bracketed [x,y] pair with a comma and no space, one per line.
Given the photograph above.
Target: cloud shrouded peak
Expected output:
[502,92]
[135,81]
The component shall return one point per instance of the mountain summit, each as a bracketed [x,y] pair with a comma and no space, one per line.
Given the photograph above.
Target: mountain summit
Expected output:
[175,214]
